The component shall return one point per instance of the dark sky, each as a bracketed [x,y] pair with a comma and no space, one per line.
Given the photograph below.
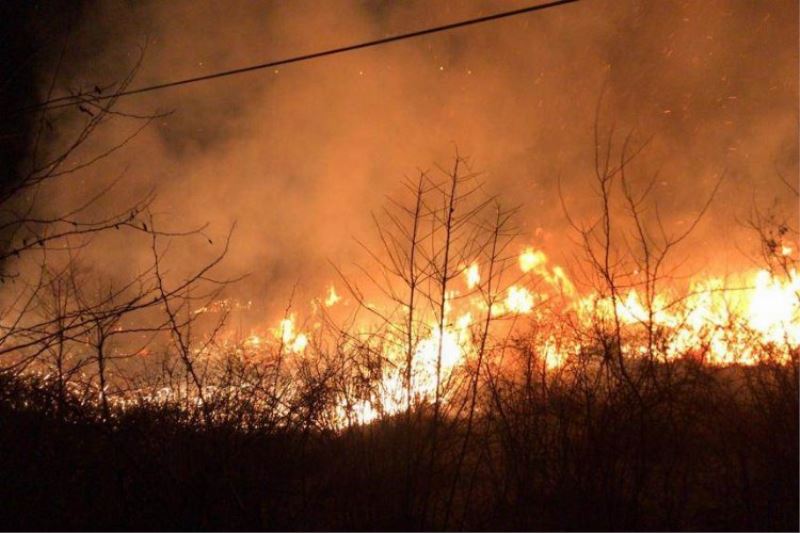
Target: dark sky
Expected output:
[300,156]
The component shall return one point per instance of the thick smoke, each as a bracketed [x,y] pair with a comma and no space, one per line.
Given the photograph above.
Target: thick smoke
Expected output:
[299,156]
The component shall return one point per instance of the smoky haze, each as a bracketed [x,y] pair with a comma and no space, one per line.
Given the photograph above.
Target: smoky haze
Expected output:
[299,156]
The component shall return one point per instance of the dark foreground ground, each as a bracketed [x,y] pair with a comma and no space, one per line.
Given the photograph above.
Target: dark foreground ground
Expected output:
[713,457]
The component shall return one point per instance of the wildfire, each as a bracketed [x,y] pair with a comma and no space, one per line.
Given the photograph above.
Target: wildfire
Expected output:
[332,297]
[290,339]
[519,300]
[773,308]
[535,262]
[722,323]
[531,259]
[472,276]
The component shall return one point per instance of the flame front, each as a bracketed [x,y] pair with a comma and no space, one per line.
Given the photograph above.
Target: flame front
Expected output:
[290,339]
[721,324]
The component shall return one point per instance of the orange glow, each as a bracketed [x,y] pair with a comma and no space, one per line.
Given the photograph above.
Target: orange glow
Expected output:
[293,341]
[531,260]
[519,300]
[472,275]
[332,297]
[722,323]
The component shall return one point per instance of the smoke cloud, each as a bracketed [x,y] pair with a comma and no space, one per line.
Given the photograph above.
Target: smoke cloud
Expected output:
[299,156]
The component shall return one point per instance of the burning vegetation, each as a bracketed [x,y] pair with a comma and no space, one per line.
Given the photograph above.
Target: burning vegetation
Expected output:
[458,373]
[478,375]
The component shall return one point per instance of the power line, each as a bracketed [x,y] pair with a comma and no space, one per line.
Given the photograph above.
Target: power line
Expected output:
[66,101]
